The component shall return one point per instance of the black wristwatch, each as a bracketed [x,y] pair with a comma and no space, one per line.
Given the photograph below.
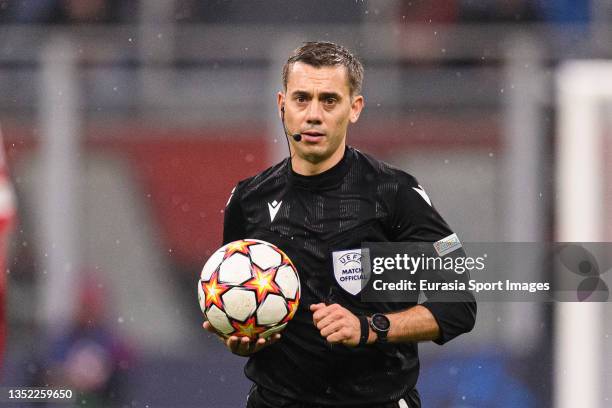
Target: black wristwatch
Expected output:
[381,325]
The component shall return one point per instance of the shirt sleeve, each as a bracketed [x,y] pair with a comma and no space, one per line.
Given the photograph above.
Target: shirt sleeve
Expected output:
[416,220]
[233,219]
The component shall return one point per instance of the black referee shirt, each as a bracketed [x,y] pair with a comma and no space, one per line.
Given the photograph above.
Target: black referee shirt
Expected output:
[310,218]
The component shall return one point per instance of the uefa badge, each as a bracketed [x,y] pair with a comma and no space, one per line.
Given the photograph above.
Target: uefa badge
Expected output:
[348,271]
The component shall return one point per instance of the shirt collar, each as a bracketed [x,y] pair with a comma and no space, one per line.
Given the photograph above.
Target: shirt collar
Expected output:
[328,179]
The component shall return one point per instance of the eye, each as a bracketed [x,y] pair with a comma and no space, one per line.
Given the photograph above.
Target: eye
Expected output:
[301,99]
[330,101]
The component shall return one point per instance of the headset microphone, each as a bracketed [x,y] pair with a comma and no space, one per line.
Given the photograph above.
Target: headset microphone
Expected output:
[296,136]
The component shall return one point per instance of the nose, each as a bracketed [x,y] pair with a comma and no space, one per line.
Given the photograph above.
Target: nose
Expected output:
[313,116]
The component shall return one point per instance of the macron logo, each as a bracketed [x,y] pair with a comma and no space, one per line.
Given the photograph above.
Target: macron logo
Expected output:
[423,194]
[273,208]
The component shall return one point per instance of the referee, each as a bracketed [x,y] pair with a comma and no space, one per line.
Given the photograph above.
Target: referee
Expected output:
[319,205]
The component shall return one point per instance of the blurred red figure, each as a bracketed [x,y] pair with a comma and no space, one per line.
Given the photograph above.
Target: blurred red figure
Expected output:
[7,215]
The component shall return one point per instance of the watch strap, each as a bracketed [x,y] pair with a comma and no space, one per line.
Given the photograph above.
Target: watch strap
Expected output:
[365,330]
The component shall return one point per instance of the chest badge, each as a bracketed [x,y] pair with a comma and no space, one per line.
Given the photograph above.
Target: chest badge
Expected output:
[347,270]
[273,207]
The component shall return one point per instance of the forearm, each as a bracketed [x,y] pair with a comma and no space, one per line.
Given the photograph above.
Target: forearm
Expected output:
[414,324]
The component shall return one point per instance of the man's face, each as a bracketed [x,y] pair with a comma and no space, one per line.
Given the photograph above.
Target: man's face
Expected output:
[318,105]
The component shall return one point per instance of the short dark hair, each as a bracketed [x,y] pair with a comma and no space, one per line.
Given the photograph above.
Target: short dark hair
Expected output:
[327,54]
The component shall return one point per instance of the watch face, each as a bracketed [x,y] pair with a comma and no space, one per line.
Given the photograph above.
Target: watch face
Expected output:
[381,322]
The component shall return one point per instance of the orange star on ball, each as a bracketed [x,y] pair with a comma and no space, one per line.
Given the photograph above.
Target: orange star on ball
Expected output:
[213,291]
[247,329]
[263,282]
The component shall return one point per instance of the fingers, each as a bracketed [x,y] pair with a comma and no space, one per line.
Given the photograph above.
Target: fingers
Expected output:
[321,310]
[261,342]
[208,327]
[239,345]
[336,324]
[344,336]
[273,339]
[331,328]
[243,346]
[329,317]
[317,306]
[337,331]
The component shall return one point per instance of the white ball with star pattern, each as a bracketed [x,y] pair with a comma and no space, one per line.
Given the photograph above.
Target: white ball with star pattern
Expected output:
[249,288]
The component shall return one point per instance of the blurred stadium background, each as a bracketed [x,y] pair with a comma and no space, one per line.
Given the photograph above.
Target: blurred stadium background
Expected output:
[126,125]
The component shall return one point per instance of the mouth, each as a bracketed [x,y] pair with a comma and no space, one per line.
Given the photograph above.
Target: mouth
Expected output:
[312,136]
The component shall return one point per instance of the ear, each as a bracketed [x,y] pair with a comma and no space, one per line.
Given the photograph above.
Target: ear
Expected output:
[356,106]
[280,102]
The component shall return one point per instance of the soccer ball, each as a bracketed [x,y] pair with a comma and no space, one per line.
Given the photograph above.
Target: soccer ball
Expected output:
[249,288]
